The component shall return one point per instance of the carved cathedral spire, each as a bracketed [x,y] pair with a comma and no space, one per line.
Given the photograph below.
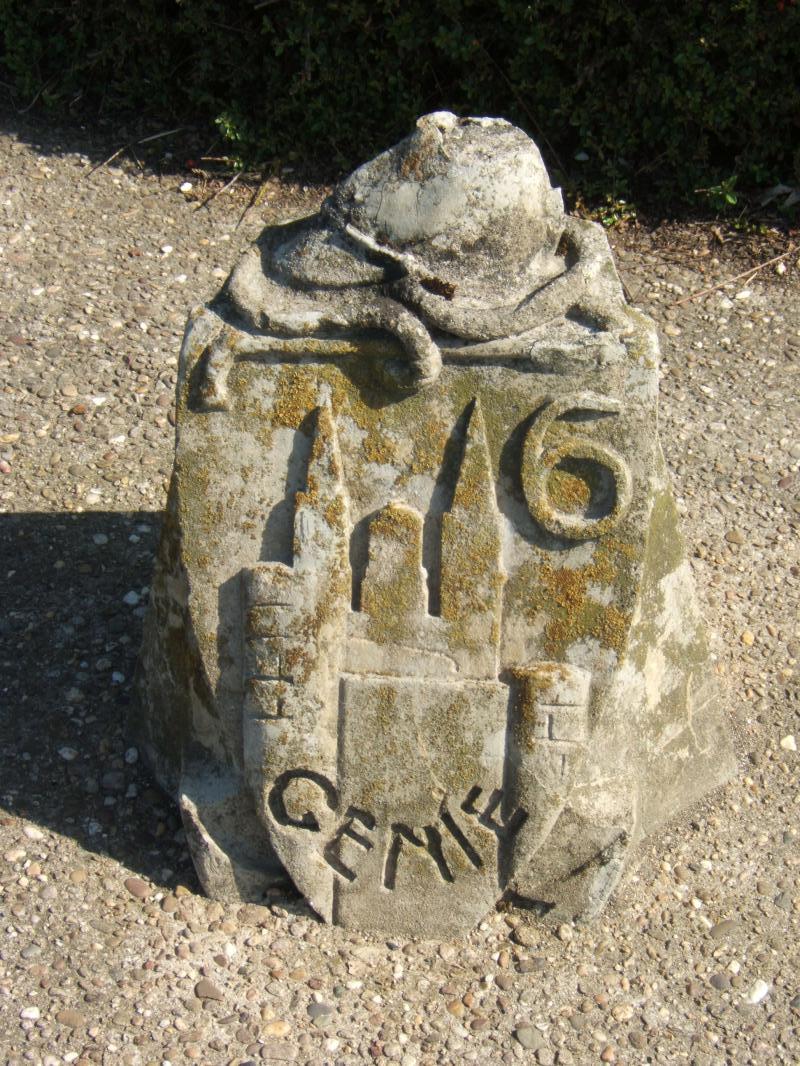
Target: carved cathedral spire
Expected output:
[472,575]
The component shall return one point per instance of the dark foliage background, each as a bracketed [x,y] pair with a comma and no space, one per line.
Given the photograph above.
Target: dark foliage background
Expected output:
[663,98]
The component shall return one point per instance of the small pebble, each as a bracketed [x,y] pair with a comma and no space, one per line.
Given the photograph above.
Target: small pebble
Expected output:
[526,935]
[205,989]
[735,536]
[723,928]
[278,1029]
[274,1052]
[71,1018]
[530,1038]
[137,887]
[533,965]
[760,990]
[319,1010]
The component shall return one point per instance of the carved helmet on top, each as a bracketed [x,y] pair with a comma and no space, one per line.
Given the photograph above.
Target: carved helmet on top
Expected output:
[465,202]
[464,198]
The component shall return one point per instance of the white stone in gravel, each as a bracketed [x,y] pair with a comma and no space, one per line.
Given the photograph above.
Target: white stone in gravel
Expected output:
[759,991]
[32,833]
[99,539]
[30,1014]
[788,743]
[131,598]
[15,855]
[68,754]
[132,756]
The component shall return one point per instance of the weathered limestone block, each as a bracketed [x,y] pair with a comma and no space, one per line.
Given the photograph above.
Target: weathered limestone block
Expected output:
[422,631]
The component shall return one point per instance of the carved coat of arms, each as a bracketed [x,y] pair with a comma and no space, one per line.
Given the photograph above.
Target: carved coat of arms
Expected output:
[422,634]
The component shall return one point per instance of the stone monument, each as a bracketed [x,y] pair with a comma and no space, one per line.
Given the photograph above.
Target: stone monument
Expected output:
[422,633]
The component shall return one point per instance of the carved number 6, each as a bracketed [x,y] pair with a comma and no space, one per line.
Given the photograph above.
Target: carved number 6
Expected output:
[539,462]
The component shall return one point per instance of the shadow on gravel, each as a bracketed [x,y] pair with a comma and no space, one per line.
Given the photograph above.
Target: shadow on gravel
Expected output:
[72,599]
[137,142]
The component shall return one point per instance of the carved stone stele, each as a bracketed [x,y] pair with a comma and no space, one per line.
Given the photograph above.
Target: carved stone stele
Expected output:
[422,632]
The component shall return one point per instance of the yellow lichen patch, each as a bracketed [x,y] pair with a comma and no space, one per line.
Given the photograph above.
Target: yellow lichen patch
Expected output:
[606,623]
[566,588]
[621,547]
[379,448]
[399,523]
[310,496]
[558,635]
[562,598]
[295,396]
[611,628]
[334,512]
[471,559]
[429,445]
[568,492]
[526,713]
[601,570]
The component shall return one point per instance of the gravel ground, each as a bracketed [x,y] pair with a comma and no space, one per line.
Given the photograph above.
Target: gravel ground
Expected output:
[108,954]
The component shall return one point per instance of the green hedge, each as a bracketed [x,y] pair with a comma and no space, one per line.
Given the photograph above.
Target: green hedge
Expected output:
[662,97]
